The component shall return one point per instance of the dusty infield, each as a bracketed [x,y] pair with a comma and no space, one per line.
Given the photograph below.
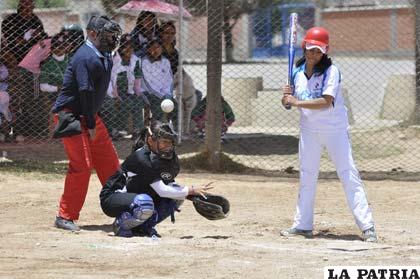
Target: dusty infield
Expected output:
[245,245]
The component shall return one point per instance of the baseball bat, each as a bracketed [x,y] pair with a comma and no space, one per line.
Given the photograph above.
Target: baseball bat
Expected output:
[292,44]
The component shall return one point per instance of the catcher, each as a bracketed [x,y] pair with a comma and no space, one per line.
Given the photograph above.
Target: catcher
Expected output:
[143,192]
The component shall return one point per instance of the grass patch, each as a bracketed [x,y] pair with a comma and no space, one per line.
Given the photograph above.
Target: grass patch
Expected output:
[200,162]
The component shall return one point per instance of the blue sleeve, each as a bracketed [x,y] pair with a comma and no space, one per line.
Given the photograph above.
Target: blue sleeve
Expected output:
[83,75]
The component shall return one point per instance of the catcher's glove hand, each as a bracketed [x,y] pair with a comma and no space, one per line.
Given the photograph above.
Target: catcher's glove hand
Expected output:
[215,207]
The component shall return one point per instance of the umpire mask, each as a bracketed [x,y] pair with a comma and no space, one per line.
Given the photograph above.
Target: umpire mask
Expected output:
[108,32]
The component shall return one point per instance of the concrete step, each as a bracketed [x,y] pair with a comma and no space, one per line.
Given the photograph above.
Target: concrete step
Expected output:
[268,111]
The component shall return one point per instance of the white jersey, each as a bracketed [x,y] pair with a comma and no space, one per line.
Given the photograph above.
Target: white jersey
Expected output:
[117,68]
[157,78]
[328,119]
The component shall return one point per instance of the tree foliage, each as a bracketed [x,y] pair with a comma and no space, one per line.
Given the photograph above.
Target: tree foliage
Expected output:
[12,4]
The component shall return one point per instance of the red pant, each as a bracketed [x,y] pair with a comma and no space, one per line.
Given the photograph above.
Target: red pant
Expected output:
[85,155]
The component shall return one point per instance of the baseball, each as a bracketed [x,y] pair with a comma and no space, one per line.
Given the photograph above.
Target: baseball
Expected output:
[167,105]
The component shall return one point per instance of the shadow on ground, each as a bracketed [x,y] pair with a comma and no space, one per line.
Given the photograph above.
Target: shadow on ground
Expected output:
[248,144]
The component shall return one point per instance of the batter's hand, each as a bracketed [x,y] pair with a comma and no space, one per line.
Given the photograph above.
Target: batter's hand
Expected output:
[92,133]
[288,98]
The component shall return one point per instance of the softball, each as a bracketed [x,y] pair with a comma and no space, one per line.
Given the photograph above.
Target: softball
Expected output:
[167,105]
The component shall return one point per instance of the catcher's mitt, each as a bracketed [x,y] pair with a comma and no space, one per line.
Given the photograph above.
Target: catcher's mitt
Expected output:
[215,207]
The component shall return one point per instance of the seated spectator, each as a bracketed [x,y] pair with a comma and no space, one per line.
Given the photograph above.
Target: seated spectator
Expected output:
[51,78]
[156,79]
[5,114]
[145,30]
[167,32]
[199,116]
[22,30]
[125,75]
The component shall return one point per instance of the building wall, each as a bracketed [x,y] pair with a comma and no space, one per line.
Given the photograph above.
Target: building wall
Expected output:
[376,30]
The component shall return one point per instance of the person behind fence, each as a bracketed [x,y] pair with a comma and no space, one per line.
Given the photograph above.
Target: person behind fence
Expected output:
[143,192]
[24,91]
[22,30]
[316,92]
[199,116]
[74,37]
[146,29]
[52,75]
[156,79]
[167,32]
[5,113]
[125,83]
[85,84]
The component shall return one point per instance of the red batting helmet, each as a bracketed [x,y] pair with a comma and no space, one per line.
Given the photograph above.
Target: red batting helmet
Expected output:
[316,37]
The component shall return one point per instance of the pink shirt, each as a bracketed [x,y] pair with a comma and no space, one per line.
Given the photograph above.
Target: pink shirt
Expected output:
[32,60]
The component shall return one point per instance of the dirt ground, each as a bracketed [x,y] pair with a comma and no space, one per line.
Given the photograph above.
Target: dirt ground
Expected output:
[245,245]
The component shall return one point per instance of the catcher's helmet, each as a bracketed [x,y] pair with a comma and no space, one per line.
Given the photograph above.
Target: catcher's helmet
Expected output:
[316,37]
[159,130]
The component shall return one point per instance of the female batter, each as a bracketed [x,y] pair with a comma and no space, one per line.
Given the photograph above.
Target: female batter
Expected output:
[316,92]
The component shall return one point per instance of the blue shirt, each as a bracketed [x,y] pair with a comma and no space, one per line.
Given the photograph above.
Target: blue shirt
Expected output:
[85,83]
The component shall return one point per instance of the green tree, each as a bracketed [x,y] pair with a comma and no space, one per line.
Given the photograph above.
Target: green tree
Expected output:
[214,83]
[12,4]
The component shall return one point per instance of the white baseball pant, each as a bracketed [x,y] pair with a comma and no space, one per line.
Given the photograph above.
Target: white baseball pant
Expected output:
[339,149]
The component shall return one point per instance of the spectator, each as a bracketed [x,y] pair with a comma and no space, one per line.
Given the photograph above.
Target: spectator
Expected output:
[144,31]
[109,112]
[124,76]
[156,79]
[85,84]
[24,91]
[167,32]
[5,114]
[22,30]
[51,77]
[74,36]
[199,116]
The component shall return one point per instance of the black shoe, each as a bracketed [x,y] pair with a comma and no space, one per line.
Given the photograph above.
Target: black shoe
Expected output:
[65,224]
[140,232]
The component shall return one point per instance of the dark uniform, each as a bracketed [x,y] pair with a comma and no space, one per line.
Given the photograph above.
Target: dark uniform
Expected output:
[138,171]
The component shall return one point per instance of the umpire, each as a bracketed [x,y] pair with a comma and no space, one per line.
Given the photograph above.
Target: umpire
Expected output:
[84,88]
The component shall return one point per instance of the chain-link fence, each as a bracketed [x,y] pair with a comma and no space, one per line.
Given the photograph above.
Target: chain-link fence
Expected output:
[372,43]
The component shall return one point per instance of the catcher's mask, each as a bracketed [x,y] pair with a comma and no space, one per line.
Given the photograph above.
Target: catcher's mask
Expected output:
[161,131]
[107,31]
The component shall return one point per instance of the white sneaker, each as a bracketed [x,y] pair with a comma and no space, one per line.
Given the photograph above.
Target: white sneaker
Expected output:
[369,235]
[294,232]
